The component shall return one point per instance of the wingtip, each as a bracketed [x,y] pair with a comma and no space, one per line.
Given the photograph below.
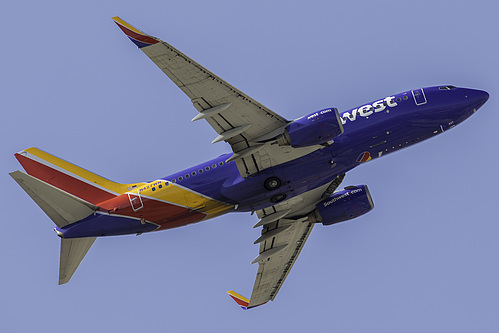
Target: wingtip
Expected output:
[139,38]
[242,301]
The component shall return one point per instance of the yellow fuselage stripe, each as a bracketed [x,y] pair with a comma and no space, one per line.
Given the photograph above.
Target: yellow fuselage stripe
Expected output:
[181,196]
[169,192]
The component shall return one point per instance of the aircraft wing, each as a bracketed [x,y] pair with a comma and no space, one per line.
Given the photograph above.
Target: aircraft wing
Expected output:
[285,230]
[237,118]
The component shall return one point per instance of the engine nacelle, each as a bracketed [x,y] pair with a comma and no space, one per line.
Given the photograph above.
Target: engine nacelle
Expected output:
[314,129]
[343,205]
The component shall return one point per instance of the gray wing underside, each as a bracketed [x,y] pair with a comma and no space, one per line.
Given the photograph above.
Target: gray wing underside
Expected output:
[237,118]
[286,228]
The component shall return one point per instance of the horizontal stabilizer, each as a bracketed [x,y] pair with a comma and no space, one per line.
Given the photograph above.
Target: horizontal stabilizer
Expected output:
[62,207]
[72,253]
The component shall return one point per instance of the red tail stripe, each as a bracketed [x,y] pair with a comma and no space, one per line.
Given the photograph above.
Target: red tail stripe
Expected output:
[76,187]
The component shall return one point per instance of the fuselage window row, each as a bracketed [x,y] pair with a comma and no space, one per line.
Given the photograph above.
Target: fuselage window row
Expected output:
[194,173]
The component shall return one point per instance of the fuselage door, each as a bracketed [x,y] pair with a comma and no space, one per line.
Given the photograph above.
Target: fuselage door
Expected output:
[135,200]
[419,96]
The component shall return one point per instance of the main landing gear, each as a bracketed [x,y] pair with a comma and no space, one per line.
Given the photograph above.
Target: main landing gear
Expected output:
[278,197]
[272,183]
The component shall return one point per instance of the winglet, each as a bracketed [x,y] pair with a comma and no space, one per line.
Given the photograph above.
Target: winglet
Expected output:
[240,300]
[140,38]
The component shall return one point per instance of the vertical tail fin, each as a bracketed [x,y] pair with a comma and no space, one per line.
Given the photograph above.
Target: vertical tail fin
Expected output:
[67,194]
[69,177]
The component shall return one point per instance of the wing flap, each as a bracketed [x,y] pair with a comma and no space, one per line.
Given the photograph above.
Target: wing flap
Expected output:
[273,269]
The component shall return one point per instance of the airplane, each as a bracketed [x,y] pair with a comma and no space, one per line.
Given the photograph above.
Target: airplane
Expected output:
[288,172]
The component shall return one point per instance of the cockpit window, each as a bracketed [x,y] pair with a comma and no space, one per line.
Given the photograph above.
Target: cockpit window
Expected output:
[447,88]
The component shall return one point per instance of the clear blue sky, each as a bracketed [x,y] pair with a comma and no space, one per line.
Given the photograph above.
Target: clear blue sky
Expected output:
[424,260]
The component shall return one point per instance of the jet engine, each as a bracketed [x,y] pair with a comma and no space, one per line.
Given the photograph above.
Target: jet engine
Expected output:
[344,205]
[314,129]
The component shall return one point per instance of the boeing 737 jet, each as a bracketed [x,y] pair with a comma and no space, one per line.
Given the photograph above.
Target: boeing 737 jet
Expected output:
[286,171]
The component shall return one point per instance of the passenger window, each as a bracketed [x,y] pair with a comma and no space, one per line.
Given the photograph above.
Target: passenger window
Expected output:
[187,176]
[220,163]
[194,173]
[180,178]
[207,168]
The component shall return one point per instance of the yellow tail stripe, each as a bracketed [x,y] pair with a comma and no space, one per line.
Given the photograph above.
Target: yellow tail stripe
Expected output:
[80,172]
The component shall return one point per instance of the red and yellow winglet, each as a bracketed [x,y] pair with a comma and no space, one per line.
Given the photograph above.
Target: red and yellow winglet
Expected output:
[242,301]
[140,38]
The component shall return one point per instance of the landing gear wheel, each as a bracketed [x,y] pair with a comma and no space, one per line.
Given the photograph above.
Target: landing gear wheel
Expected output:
[272,183]
[278,197]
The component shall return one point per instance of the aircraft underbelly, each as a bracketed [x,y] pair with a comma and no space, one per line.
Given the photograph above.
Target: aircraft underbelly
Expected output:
[161,205]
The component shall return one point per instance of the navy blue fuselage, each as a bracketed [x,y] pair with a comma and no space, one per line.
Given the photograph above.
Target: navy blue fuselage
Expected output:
[370,131]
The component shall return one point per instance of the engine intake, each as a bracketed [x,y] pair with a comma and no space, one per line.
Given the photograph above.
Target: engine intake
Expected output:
[314,129]
[343,206]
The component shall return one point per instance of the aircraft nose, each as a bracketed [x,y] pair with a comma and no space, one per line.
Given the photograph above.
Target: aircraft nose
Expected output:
[484,96]
[476,97]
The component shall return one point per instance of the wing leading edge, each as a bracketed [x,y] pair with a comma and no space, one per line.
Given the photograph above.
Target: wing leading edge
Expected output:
[245,124]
